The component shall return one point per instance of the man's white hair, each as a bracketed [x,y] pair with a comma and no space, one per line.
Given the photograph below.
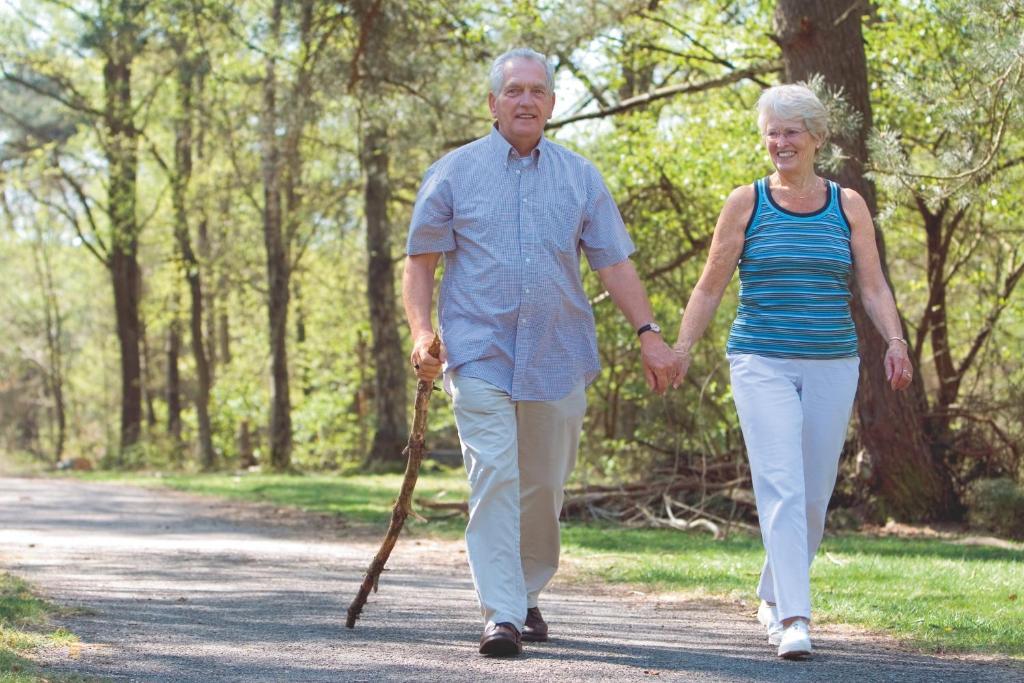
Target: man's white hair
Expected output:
[498,67]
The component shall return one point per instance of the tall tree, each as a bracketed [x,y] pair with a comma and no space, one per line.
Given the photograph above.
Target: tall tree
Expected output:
[114,32]
[191,63]
[826,38]
[954,170]
[118,36]
[277,253]
[391,432]
[369,68]
[288,110]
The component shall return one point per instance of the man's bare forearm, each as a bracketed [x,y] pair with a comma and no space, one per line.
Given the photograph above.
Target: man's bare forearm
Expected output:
[418,292]
[627,291]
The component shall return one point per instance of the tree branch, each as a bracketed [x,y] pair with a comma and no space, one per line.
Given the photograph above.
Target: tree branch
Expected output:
[666,92]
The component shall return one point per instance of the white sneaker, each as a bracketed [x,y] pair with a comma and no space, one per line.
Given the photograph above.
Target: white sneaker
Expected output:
[796,641]
[768,615]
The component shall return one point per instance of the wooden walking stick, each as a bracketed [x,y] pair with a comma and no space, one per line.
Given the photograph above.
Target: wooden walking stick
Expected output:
[403,505]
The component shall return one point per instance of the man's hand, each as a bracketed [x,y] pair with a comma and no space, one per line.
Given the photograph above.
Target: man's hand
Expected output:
[662,366]
[424,365]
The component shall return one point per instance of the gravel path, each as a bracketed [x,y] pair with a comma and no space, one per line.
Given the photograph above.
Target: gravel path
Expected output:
[173,587]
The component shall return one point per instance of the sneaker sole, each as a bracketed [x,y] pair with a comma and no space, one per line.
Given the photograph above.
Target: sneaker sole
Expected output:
[795,655]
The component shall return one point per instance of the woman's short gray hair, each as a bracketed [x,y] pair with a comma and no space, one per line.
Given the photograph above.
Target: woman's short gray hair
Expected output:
[794,101]
[498,67]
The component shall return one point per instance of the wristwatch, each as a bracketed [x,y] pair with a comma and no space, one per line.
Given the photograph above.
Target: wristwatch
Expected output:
[649,327]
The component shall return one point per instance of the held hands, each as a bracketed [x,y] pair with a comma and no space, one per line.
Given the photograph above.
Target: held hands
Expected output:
[424,365]
[683,354]
[898,369]
[662,367]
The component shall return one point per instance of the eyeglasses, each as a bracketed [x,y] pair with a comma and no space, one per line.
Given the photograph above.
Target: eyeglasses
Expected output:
[787,134]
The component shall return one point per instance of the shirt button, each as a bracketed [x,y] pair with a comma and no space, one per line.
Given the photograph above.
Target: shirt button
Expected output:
[527,290]
[527,259]
[524,200]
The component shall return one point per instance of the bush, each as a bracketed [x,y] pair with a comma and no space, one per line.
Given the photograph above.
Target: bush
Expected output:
[996,505]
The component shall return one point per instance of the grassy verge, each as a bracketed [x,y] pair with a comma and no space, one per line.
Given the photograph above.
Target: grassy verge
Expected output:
[934,594]
[23,628]
[361,499]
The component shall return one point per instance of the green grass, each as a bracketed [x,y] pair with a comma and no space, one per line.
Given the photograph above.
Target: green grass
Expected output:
[361,499]
[23,628]
[933,594]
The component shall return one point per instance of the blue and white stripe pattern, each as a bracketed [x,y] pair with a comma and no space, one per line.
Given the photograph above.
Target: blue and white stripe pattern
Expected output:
[794,282]
[512,309]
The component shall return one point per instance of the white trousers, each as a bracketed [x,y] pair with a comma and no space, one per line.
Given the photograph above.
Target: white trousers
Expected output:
[518,456]
[794,413]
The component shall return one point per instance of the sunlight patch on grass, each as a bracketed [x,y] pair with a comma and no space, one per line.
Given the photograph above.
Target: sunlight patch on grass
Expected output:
[361,499]
[22,618]
[936,595]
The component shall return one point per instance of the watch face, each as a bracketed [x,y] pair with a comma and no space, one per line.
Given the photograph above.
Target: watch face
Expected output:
[654,327]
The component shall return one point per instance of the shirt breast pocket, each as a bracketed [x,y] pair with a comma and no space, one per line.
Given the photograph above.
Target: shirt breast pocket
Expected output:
[562,222]
[478,219]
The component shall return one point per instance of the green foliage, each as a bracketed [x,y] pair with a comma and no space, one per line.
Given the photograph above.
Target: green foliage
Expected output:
[996,505]
[946,91]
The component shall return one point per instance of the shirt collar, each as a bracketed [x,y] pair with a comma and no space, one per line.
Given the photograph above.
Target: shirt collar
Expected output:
[502,150]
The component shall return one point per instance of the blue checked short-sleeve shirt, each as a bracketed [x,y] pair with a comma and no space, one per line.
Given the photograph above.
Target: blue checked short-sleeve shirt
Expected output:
[512,309]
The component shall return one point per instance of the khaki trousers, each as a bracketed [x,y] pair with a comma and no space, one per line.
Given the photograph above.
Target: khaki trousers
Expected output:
[518,456]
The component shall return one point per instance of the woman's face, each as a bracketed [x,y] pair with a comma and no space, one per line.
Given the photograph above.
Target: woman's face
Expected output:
[789,143]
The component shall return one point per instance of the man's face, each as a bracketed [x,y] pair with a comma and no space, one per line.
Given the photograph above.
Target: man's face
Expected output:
[524,104]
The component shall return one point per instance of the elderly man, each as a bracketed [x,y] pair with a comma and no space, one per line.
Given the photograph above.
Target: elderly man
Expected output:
[511,212]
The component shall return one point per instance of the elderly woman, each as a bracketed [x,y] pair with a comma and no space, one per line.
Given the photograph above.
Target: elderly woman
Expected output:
[792,349]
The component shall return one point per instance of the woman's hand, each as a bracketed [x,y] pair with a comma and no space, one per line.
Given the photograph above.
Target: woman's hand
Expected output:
[683,354]
[898,369]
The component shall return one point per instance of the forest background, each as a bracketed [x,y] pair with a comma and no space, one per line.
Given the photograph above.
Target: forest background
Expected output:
[204,206]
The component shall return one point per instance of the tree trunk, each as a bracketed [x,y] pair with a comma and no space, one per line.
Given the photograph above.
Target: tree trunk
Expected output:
[124,274]
[224,335]
[193,275]
[278,264]
[173,389]
[209,297]
[122,165]
[391,432]
[826,38]
[53,319]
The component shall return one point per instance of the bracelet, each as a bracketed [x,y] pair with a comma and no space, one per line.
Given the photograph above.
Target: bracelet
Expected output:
[901,340]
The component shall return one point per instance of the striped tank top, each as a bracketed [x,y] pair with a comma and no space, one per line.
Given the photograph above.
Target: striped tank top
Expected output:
[794,282]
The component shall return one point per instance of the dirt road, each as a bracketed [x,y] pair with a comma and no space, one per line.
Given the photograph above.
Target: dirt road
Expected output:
[173,587]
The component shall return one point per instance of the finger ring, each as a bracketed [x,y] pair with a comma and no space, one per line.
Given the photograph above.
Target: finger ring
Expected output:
[907,373]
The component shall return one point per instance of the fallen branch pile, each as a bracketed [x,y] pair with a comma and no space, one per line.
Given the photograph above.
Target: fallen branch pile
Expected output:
[716,498]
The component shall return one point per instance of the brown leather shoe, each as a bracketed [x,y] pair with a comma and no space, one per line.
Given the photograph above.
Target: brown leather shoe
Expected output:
[535,630]
[501,640]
